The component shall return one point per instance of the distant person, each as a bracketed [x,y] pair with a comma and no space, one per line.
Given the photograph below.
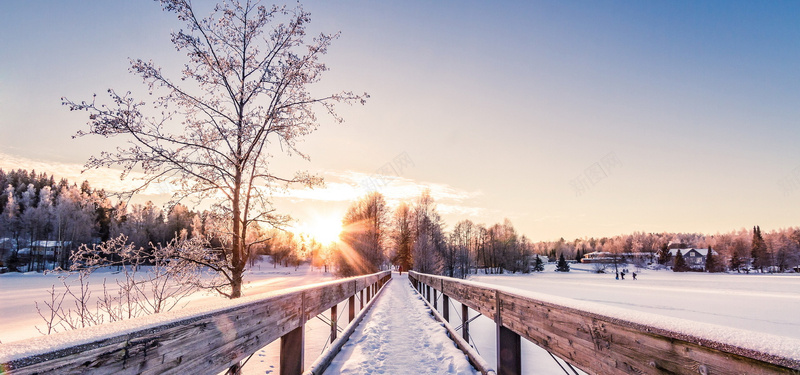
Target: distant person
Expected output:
[623,275]
[634,275]
[617,275]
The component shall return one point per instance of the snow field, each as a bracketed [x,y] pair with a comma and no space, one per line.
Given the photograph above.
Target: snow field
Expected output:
[20,291]
[755,311]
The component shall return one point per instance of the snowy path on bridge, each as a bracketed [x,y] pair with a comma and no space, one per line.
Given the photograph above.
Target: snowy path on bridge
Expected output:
[400,336]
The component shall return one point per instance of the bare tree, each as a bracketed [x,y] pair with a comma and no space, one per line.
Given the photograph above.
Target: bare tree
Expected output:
[139,290]
[241,98]
[429,240]
[402,237]
[365,236]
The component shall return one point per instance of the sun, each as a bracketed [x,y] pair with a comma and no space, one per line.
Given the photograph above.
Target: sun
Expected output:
[322,229]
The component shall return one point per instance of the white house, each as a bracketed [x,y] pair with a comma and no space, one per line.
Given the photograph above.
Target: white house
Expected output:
[694,258]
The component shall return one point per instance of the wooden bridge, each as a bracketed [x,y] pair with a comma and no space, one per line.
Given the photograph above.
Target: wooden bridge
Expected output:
[211,342]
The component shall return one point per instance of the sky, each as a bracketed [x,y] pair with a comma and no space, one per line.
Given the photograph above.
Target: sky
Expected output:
[571,119]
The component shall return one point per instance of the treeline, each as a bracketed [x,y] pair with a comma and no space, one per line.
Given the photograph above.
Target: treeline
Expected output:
[43,221]
[744,249]
[413,237]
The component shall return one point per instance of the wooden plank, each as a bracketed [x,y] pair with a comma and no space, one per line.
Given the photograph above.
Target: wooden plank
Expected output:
[606,345]
[292,352]
[446,307]
[203,343]
[509,352]
[465,322]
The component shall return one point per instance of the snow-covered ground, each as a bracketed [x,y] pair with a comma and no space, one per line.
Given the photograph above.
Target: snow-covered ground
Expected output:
[763,304]
[400,336]
[19,291]
[760,303]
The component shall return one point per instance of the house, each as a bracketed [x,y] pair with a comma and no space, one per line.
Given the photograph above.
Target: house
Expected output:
[49,248]
[694,258]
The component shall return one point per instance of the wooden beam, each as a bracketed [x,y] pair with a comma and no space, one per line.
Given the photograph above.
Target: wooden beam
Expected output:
[292,352]
[179,342]
[446,307]
[601,344]
[509,347]
[465,322]
[334,325]
[351,308]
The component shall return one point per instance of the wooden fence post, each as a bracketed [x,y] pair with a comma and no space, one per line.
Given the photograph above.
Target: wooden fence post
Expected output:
[465,322]
[446,307]
[435,305]
[292,344]
[362,300]
[351,308]
[509,348]
[334,326]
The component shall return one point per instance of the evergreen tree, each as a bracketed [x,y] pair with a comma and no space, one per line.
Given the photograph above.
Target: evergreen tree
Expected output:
[579,255]
[758,253]
[736,262]
[680,263]
[562,265]
[711,261]
[664,256]
[538,265]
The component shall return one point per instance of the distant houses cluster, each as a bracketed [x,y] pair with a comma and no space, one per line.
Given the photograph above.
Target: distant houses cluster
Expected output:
[695,259]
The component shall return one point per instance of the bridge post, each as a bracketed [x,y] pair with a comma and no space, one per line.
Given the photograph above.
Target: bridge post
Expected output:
[428,289]
[292,344]
[351,308]
[465,322]
[334,319]
[509,348]
[446,307]
[362,300]
[435,305]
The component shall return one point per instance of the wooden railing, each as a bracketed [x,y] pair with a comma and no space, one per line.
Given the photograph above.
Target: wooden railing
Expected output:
[599,343]
[192,342]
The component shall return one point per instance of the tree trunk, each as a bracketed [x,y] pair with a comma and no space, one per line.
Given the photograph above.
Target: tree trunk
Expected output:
[237,247]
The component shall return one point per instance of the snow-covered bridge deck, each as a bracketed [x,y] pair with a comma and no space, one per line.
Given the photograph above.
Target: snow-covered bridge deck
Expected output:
[400,336]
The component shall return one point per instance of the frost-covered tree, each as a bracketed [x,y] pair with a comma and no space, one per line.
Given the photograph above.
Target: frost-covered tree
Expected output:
[73,221]
[364,238]
[11,226]
[241,98]
[403,237]
[429,240]
[758,252]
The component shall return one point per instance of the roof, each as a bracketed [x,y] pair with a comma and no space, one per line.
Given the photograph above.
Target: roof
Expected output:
[703,252]
[50,243]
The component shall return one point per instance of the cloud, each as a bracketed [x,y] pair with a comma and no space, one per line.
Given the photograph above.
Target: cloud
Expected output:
[107,179]
[340,186]
[347,186]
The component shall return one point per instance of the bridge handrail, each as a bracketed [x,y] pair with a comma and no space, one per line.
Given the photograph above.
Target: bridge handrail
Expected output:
[609,340]
[192,340]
